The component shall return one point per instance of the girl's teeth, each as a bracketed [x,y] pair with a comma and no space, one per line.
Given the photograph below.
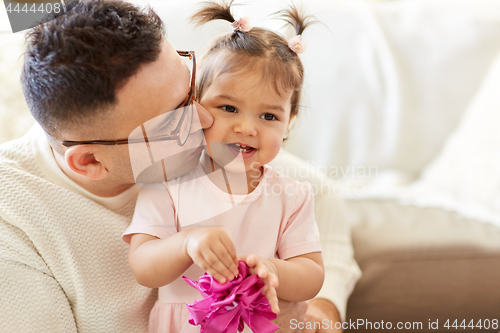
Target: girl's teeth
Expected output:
[244,149]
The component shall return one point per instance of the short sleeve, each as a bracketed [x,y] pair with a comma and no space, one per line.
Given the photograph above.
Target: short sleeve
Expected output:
[299,235]
[154,215]
[341,270]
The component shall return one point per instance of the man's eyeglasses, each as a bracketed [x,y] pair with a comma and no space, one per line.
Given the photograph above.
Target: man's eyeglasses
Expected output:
[181,131]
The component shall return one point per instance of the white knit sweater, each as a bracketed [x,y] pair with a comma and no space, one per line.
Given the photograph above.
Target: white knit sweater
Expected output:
[63,265]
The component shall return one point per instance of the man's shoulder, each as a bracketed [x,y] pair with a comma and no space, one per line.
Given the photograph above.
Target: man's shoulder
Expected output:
[19,169]
[17,155]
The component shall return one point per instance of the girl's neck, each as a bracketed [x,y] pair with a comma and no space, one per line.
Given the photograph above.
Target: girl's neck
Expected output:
[239,183]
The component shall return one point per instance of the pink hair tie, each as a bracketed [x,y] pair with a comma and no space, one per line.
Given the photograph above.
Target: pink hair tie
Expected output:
[242,24]
[296,44]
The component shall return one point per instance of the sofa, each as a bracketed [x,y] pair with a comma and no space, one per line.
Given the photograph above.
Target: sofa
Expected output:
[400,113]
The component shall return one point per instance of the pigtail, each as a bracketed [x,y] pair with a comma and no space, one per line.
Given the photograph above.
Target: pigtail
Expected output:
[213,10]
[296,18]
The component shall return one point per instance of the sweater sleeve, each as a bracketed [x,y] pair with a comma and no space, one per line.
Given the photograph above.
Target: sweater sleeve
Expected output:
[32,299]
[341,270]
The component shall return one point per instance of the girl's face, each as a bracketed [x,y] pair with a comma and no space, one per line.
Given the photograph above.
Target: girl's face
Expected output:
[249,117]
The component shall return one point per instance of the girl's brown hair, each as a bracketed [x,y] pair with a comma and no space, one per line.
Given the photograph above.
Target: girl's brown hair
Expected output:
[259,49]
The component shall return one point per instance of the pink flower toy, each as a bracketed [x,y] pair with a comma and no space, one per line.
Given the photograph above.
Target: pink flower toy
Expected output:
[225,308]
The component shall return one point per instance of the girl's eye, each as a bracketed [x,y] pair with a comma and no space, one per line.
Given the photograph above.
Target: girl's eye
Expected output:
[268,116]
[229,108]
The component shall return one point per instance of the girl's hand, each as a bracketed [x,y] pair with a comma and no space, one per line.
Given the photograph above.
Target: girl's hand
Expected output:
[212,249]
[268,273]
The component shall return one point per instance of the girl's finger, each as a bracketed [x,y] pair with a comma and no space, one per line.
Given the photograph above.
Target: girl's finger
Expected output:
[202,263]
[273,280]
[218,277]
[216,268]
[251,260]
[222,262]
[231,270]
[262,271]
[231,250]
[271,295]
[264,290]
[273,300]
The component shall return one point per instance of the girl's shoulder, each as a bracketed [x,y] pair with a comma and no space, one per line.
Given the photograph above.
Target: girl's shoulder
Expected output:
[276,177]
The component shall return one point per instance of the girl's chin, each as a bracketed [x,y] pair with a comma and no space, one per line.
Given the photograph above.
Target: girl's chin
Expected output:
[239,166]
[234,164]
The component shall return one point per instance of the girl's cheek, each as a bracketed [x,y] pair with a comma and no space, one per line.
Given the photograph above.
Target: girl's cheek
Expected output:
[209,133]
[217,131]
[275,143]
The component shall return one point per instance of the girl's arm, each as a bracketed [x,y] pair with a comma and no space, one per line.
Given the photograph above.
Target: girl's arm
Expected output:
[300,278]
[295,279]
[157,262]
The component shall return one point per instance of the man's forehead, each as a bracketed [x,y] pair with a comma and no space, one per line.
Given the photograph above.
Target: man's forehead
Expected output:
[160,84]
[157,88]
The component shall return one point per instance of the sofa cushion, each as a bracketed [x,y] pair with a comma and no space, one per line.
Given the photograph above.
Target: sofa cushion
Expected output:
[422,263]
[465,176]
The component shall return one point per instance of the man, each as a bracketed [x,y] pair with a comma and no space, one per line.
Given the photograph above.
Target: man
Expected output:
[96,73]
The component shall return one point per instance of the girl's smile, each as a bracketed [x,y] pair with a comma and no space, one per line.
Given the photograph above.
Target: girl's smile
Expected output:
[246,151]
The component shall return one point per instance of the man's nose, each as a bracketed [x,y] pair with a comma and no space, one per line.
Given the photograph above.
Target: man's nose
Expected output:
[206,119]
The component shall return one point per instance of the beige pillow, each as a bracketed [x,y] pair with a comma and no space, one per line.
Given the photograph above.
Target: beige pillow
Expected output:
[468,167]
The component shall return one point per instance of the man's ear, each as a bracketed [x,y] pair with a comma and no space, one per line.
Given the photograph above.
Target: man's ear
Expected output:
[87,161]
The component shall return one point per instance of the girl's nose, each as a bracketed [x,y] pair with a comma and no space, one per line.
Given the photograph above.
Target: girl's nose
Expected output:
[245,126]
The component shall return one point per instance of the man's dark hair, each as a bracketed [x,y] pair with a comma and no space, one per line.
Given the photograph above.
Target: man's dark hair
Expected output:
[75,64]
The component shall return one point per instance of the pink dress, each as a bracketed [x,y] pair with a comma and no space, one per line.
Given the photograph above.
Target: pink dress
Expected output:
[276,220]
